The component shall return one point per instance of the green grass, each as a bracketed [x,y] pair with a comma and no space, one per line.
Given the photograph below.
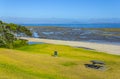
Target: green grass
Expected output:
[69,64]
[37,62]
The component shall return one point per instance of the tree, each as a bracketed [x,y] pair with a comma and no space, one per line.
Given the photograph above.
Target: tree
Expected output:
[9,33]
[23,30]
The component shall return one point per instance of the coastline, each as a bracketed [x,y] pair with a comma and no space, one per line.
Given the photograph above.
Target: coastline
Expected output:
[108,48]
[99,35]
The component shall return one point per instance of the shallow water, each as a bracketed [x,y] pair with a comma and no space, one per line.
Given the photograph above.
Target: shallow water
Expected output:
[35,43]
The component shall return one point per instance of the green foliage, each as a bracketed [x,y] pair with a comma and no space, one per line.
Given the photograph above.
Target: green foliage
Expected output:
[24,30]
[12,27]
[1,22]
[20,43]
[2,44]
[9,33]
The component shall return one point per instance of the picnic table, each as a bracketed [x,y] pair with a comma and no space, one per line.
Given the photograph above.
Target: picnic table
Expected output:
[96,64]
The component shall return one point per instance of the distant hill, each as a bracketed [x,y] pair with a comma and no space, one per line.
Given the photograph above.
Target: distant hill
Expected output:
[57,20]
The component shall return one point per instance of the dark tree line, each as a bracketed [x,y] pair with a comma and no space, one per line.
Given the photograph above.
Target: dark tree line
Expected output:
[9,34]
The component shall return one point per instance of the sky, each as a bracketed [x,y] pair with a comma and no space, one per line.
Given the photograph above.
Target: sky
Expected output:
[66,9]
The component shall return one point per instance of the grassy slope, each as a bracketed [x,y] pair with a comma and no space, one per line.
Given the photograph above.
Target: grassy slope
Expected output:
[36,62]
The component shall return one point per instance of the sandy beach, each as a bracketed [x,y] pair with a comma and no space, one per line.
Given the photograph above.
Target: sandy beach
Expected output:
[108,48]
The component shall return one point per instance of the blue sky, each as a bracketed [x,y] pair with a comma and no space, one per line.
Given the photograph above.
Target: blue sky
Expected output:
[68,9]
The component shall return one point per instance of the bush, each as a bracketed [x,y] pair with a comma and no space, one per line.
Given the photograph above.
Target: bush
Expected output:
[2,43]
[20,43]
[9,33]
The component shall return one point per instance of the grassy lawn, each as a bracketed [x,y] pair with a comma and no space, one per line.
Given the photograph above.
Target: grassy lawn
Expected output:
[37,62]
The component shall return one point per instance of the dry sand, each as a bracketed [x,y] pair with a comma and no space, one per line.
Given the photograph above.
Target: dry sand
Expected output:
[108,48]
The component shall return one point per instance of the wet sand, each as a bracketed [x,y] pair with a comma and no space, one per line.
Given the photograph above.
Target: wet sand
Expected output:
[108,48]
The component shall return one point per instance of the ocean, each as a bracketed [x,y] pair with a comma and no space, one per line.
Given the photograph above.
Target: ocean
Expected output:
[104,25]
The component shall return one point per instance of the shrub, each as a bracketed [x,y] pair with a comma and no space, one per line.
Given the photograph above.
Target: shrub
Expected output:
[20,43]
[2,44]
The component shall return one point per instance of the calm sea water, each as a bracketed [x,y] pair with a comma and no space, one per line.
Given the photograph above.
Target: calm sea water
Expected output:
[78,25]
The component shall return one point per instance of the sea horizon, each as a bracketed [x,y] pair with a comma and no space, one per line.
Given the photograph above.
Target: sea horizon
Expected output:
[82,25]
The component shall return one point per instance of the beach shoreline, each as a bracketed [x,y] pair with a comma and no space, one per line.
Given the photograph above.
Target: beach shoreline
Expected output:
[106,35]
[102,47]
